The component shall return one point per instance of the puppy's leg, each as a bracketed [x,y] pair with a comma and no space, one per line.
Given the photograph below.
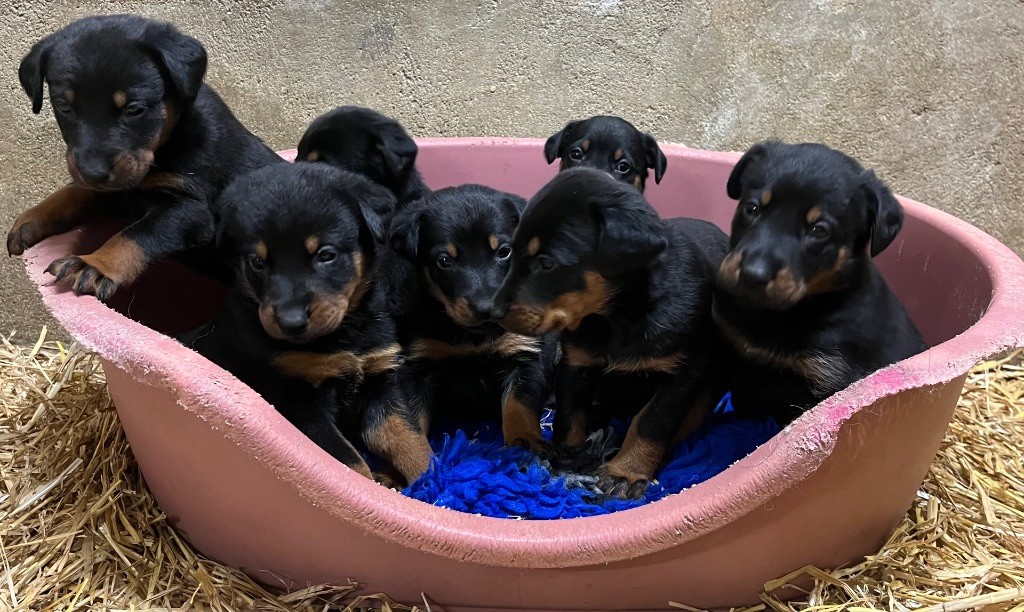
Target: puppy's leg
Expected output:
[322,428]
[652,431]
[392,430]
[703,405]
[522,402]
[171,225]
[65,208]
[574,398]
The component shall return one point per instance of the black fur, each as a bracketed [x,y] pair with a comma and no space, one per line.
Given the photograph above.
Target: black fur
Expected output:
[146,140]
[284,291]
[608,143]
[451,251]
[799,283]
[364,141]
[630,295]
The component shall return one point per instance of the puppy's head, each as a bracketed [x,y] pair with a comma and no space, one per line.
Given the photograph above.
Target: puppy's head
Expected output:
[610,144]
[807,219]
[117,85]
[363,141]
[581,237]
[460,241]
[305,237]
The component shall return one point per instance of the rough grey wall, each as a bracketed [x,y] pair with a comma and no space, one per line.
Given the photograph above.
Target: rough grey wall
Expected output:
[929,93]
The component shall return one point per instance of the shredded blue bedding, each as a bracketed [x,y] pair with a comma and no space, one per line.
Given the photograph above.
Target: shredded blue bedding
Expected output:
[477,474]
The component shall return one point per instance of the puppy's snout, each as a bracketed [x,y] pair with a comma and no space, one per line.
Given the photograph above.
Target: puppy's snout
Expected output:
[293,320]
[757,270]
[92,168]
[481,309]
[499,306]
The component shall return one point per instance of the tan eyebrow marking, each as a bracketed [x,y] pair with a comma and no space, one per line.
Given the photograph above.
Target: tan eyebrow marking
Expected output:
[533,246]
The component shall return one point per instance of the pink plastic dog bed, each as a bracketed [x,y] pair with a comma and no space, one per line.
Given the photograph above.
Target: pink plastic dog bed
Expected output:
[246,488]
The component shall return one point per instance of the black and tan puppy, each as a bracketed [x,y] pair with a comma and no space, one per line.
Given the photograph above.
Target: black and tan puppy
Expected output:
[366,142]
[304,323]
[798,295]
[146,140]
[631,296]
[452,249]
[608,143]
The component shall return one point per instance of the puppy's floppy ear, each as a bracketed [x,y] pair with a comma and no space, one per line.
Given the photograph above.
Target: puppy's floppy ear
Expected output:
[630,232]
[555,146]
[404,233]
[735,185]
[399,151]
[224,236]
[655,158]
[32,71]
[515,206]
[885,215]
[376,205]
[182,58]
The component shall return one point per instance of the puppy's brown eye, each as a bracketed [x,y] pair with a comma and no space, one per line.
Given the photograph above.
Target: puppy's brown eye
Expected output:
[545,263]
[257,264]
[576,153]
[751,209]
[326,254]
[623,167]
[134,109]
[444,261]
[818,231]
[62,105]
[503,253]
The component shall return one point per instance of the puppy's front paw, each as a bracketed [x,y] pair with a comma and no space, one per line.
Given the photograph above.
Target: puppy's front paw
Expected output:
[23,235]
[83,278]
[628,486]
[386,480]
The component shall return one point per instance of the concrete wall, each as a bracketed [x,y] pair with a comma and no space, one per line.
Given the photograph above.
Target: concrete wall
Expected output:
[929,93]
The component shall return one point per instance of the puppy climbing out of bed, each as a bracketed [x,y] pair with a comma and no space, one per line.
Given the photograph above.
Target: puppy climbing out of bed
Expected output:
[607,143]
[146,140]
[366,142]
[303,324]
[451,251]
[798,295]
[630,295]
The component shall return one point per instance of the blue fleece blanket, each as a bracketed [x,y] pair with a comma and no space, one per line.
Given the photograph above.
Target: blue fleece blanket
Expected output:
[475,473]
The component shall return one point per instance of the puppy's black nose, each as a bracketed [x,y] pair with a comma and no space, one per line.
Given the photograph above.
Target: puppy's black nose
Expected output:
[293,321]
[92,169]
[497,312]
[756,271]
[482,309]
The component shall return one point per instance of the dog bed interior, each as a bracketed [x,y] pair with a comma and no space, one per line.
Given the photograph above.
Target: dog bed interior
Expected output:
[474,472]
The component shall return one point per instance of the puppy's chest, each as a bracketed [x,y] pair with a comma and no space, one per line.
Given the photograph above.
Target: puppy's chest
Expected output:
[791,348]
[350,362]
[464,349]
[589,352]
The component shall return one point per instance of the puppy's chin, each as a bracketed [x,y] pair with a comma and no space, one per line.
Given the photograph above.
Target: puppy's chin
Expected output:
[310,335]
[462,319]
[128,171]
[767,298]
[321,323]
[534,321]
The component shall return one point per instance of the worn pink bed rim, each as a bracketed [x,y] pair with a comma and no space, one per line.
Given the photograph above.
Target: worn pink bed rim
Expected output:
[131,350]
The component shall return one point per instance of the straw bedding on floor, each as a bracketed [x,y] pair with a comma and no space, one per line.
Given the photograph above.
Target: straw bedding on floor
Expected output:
[80,531]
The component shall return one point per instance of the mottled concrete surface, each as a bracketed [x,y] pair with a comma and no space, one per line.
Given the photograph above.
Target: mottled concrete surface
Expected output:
[927,92]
